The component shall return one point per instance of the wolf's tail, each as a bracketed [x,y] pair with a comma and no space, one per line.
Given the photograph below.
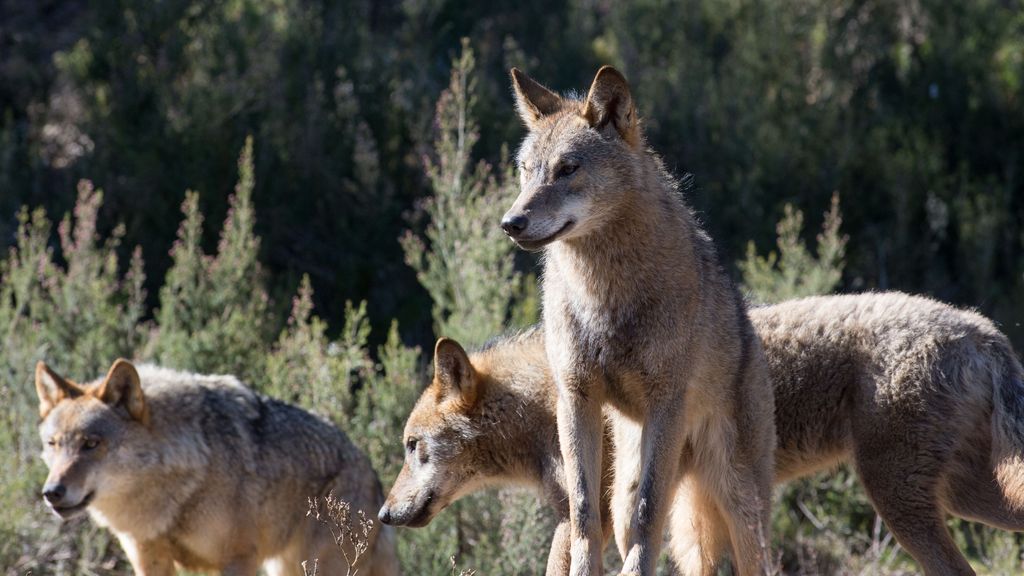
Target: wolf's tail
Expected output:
[1008,424]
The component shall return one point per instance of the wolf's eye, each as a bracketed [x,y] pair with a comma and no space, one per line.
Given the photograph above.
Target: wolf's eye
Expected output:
[410,445]
[90,444]
[51,442]
[567,169]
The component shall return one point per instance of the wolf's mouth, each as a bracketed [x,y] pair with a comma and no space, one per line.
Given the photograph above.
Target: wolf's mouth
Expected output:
[70,511]
[534,245]
[424,516]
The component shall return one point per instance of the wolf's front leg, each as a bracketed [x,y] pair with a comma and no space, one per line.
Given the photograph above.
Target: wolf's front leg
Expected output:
[558,558]
[149,558]
[699,534]
[626,436]
[661,444]
[580,433]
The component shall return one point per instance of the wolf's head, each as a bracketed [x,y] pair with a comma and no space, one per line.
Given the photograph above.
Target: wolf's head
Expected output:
[439,460]
[578,162]
[84,429]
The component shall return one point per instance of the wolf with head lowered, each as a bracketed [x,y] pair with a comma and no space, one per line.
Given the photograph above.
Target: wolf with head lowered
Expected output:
[639,318]
[203,473]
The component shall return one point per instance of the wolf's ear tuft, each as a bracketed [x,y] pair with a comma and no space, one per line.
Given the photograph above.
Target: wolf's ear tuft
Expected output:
[122,387]
[453,371]
[609,102]
[533,101]
[52,388]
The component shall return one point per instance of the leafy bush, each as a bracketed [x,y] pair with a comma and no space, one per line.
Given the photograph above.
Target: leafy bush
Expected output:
[467,267]
[793,271]
[213,309]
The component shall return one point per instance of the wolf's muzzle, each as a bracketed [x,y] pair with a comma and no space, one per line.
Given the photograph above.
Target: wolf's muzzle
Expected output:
[515,225]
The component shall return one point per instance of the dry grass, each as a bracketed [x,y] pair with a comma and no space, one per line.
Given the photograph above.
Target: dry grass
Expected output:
[345,526]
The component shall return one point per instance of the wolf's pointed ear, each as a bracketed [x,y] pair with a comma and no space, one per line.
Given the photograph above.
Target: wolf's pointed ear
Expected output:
[52,388]
[122,387]
[453,371]
[609,102]
[533,101]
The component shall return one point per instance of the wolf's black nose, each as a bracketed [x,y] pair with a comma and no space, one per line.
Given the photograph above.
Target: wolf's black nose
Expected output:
[384,515]
[54,493]
[514,225]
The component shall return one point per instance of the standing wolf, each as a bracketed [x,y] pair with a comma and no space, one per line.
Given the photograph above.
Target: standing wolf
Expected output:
[927,402]
[203,472]
[638,314]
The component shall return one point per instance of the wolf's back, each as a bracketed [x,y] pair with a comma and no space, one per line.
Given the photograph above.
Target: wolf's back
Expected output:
[262,434]
[295,442]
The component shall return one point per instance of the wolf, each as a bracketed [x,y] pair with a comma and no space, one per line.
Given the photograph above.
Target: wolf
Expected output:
[484,420]
[639,317]
[202,472]
[924,399]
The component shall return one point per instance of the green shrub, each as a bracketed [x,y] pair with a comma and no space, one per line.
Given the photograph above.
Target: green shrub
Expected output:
[213,315]
[793,271]
[307,368]
[465,262]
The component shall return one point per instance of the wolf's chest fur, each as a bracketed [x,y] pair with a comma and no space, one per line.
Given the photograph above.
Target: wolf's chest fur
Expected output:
[600,340]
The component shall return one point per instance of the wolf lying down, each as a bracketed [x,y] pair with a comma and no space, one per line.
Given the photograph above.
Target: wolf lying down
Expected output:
[203,472]
[926,401]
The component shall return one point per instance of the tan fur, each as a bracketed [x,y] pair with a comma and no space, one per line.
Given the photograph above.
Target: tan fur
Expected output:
[202,472]
[927,402]
[639,318]
[486,419]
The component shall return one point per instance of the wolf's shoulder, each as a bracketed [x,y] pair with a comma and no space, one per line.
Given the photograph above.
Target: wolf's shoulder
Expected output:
[162,381]
[218,403]
[181,395]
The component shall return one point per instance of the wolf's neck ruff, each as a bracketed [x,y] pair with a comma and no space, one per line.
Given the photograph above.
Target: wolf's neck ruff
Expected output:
[609,267]
[510,445]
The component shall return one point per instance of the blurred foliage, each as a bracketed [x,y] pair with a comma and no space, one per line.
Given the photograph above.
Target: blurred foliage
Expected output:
[913,111]
[467,267]
[212,315]
[793,271]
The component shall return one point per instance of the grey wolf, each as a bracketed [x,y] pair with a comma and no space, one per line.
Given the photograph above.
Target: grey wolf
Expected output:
[486,420]
[639,318]
[202,472]
[924,399]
